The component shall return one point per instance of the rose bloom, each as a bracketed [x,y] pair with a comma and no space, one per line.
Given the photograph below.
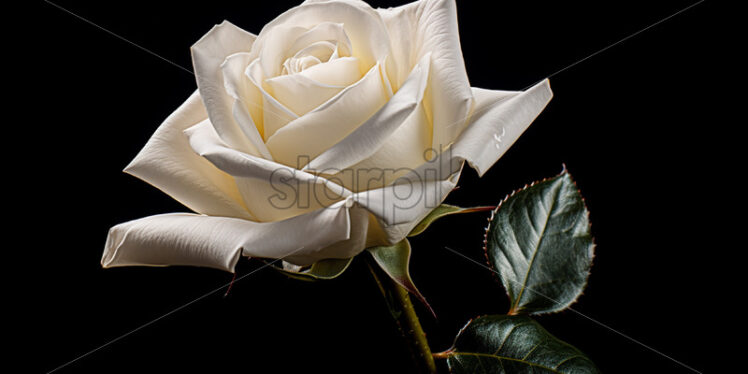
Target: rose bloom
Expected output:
[337,128]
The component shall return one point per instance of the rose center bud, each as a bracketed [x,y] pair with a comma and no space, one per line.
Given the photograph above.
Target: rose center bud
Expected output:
[305,69]
[316,53]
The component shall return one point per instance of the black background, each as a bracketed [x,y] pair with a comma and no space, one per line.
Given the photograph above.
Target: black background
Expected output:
[632,124]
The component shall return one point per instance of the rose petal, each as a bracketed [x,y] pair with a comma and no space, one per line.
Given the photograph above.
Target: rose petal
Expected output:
[310,88]
[207,56]
[406,148]
[271,191]
[168,163]
[309,56]
[396,133]
[247,108]
[363,26]
[356,242]
[414,194]
[275,47]
[354,2]
[341,72]
[299,93]
[274,114]
[430,26]
[500,117]
[323,127]
[396,209]
[217,242]
[324,31]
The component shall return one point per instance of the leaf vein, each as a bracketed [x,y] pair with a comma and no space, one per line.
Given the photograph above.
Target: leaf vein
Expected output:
[535,253]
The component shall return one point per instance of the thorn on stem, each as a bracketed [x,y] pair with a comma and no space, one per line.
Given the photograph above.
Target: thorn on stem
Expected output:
[233,278]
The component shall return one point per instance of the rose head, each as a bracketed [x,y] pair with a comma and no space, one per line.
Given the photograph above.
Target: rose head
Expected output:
[338,127]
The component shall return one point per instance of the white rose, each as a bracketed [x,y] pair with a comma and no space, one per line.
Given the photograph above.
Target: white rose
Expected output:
[316,138]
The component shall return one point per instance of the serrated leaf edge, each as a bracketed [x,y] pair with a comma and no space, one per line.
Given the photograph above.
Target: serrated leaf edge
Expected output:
[452,351]
[591,253]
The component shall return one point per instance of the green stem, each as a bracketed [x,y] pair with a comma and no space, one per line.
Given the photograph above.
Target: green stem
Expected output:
[401,308]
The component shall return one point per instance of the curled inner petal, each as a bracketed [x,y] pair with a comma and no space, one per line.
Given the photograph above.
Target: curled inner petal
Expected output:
[321,128]
[325,31]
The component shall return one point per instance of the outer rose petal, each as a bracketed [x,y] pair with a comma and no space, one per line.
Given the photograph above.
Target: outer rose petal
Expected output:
[408,147]
[356,242]
[414,194]
[500,117]
[217,242]
[430,26]
[207,56]
[271,191]
[168,163]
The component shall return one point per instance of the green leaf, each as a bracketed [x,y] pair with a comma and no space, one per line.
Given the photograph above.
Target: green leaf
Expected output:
[540,243]
[320,270]
[395,261]
[442,211]
[512,344]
